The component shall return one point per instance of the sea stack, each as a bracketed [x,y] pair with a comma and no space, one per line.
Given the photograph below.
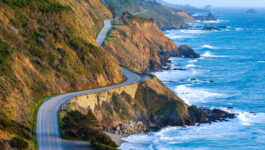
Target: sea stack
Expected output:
[251,11]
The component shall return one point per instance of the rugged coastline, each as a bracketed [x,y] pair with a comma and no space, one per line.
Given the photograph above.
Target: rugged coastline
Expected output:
[141,46]
[142,107]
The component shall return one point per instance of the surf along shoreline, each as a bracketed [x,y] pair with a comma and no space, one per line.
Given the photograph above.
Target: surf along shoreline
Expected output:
[199,115]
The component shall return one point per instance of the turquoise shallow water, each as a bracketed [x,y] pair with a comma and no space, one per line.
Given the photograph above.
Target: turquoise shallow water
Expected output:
[234,59]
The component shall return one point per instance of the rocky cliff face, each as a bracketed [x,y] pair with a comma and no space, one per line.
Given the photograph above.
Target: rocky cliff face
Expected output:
[48,47]
[142,107]
[139,44]
[146,102]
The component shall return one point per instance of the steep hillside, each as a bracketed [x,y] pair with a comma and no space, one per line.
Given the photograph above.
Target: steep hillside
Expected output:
[47,47]
[131,109]
[150,102]
[137,43]
[132,102]
[165,17]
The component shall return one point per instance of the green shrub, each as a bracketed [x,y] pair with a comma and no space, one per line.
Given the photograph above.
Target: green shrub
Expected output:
[18,143]
[100,146]
[106,106]
[5,51]
[192,107]
[18,3]
[85,127]
[51,6]
[112,10]
[157,104]
[13,127]
[120,106]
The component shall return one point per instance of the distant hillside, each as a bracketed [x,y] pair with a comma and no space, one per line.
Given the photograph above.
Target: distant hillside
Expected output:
[165,17]
[187,7]
[47,47]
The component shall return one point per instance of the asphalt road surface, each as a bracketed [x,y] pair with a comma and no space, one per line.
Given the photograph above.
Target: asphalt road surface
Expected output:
[48,134]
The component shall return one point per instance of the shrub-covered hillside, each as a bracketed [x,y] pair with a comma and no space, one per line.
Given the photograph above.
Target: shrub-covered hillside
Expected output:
[136,43]
[47,47]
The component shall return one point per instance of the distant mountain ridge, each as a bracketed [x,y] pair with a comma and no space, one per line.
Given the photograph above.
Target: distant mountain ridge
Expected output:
[165,17]
[187,7]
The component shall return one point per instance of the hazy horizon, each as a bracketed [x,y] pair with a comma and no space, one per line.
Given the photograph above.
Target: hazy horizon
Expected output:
[221,3]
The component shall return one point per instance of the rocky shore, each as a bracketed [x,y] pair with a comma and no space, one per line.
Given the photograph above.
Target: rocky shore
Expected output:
[184,51]
[129,128]
[197,116]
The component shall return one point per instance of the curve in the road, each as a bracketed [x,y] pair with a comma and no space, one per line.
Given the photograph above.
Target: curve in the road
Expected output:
[48,135]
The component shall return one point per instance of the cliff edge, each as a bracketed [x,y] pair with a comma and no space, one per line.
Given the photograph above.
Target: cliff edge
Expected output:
[140,45]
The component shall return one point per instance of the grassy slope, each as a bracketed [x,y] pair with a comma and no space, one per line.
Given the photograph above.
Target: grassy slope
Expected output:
[48,47]
[136,43]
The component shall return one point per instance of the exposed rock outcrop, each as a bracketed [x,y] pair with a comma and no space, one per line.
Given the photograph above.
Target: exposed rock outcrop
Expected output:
[209,17]
[183,51]
[143,107]
[129,128]
[210,27]
[207,115]
[140,45]
[251,11]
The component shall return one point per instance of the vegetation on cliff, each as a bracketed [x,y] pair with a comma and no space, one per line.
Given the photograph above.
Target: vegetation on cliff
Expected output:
[140,45]
[136,43]
[140,107]
[86,127]
[165,17]
[150,102]
[48,47]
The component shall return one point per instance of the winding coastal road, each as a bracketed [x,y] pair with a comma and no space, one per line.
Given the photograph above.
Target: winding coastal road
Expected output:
[48,134]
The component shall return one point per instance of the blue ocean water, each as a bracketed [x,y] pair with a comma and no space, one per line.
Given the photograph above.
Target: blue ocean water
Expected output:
[230,73]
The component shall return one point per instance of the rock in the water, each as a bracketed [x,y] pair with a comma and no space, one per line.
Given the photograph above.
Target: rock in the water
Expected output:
[183,51]
[206,115]
[210,17]
[187,52]
[251,11]
[222,27]
[209,27]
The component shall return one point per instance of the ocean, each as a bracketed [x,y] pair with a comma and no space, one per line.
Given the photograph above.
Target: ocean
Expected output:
[230,73]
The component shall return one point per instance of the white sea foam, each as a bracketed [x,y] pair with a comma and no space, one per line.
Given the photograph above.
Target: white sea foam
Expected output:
[173,137]
[177,34]
[176,75]
[193,31]
[247,118]
[208,54]
[239,29]
[261,61]
[190,65]
[214,21]
[193,61]
[208,47]
[196,95]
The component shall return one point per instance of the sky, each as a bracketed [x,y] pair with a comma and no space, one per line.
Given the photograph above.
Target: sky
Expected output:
[221,3]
